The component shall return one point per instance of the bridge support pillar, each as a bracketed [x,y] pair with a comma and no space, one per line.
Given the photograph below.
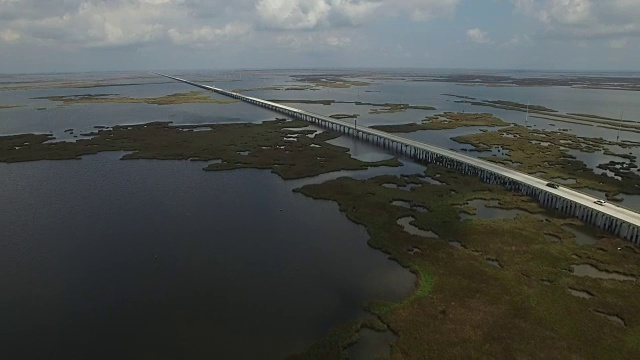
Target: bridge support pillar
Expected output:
[588,215]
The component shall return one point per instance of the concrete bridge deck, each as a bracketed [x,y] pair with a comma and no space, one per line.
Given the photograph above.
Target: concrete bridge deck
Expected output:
[611,218]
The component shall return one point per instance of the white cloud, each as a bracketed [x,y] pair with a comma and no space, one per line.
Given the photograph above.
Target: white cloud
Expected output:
[584,19]
[618,43]
[425,10]
[311,14]
[125,23]
[517,40]
[208,34]
[315,41]
[9,35]
[528,7]
[118,26]
[79,30]
[566,12]
[338,41]
[418,10]
[354,12]
[116,23]
[314,14]
[478,36]
[294,42]
[291,14]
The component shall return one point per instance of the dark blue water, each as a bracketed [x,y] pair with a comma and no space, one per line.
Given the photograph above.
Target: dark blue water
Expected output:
[102,258]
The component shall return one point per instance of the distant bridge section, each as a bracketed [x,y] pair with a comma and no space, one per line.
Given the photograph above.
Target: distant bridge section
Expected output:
[616,220]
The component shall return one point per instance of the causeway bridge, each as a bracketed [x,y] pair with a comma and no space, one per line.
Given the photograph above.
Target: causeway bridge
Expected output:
[616,220]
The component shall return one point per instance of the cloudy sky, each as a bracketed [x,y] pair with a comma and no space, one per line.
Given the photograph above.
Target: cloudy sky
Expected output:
[86,35]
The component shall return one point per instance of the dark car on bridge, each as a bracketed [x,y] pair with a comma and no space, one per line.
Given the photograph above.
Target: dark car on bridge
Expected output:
[553,185]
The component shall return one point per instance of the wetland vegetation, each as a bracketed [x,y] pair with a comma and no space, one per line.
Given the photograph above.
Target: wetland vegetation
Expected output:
[463,305]
[192,97]
[330,81]
[542,112]
[344,116]
[262,146]
[513,104]
[80,84]
[575,81]
[384,108]
[278,88]
[445,121]
[544,153]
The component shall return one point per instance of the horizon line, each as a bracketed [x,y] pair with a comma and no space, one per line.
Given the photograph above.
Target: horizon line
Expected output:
[537,70]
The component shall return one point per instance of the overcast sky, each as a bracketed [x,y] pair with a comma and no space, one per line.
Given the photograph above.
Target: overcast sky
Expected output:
[86,35]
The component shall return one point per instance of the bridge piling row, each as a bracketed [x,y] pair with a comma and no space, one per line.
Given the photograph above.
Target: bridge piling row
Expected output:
[587,215]
[547,199]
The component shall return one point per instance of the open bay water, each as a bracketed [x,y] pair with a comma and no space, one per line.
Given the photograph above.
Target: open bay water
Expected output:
[103,258]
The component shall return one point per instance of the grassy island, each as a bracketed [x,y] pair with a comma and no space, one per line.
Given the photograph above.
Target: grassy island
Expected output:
[385,108]
[193,97]
[536,151]
[344,116]
[329,81]
[445,121]
[545,113]
[521,106]
[277,145]
[497,288]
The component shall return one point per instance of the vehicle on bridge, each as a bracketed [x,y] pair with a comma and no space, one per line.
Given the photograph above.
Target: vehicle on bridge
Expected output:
[553,185]
[600,202]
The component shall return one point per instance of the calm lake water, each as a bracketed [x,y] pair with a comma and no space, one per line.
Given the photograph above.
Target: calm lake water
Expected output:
[160,259]
[101,257]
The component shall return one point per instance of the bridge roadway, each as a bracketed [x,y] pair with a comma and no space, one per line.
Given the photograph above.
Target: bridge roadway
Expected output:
[611,218]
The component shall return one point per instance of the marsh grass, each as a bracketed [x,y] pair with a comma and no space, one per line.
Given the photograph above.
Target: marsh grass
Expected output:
[445,121]
[160,140]
[464,307]
[193,97]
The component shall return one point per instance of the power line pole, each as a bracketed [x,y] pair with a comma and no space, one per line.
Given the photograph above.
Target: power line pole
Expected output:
[619,126]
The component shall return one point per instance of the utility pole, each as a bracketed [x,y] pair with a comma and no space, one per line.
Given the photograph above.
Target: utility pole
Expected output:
[619,126]
[526,119]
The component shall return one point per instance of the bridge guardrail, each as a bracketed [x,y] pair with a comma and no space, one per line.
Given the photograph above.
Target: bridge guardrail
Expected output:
[407,142]
[372,132]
